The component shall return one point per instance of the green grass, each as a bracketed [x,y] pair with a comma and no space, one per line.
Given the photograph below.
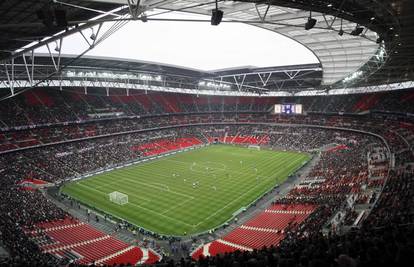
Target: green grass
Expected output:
[161,194]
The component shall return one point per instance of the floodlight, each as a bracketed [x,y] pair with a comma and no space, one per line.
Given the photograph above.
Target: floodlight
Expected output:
[310,24]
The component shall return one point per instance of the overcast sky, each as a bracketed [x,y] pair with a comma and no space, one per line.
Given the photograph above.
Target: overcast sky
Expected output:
[196,45]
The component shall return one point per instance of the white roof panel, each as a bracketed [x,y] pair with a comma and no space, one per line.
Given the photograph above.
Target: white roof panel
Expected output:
[339,55]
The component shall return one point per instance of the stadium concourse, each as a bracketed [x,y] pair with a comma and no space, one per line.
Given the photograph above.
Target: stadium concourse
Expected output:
[354,205]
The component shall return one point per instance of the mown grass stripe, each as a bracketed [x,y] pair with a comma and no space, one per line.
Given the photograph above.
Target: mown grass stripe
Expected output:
[169,204]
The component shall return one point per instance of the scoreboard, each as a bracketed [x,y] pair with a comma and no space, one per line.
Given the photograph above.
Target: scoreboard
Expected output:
[287,109]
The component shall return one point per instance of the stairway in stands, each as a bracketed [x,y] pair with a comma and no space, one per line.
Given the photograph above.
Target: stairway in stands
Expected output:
[265,229]
[83,244]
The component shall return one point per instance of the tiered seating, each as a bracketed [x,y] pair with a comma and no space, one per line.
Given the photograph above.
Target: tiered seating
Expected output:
[73,235]
[167,102]
[85,245]
[366,102]
[38,97]
[97,250]
[144,101]
[266,229]
[254,238]
[164,145]
[131,256]
[292,208]
[338,148]
[59,224]
[252,140]
[218,247]
[6,147]
[240,139]
[196,254]
[268,220]
[152,257]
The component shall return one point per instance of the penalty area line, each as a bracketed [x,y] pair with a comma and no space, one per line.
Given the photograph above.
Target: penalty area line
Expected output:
[176,206]
[160,214]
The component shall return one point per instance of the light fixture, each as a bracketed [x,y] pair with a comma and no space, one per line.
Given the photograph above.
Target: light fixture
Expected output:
[92,36]
[341,31]
[329,5]
[379,40]
[57,48]
[311,22]
[357,31]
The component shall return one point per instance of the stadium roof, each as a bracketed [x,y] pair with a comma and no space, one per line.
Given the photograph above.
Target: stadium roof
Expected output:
[20,24]
[380,54]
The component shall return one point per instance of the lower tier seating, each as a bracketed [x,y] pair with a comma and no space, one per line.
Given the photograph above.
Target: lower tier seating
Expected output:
[83,244]
[265,229]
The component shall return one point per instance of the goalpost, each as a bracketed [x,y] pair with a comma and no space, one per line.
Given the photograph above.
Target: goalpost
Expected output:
[254,147]
[118,198]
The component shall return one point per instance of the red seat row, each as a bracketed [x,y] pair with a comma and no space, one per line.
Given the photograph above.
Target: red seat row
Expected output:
[89,244]
[252,238]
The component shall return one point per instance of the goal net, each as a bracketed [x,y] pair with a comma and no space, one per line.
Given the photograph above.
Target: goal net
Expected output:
[118,198]
[255,147]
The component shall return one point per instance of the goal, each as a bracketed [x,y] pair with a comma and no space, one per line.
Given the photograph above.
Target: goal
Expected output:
[118,198]
[255,147]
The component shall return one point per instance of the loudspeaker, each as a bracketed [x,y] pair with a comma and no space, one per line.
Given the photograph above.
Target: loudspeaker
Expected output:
[60,17]
[46,16]
[357,31]
[216,16]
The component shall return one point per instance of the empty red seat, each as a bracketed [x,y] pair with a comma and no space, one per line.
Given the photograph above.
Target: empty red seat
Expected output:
[132,257]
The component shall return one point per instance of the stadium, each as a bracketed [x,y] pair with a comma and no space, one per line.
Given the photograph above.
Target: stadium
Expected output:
[111,158]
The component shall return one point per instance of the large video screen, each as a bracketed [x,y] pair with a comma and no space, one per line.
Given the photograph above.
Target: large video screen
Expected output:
[288,109]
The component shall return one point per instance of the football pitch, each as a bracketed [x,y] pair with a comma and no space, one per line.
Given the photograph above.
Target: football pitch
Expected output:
[188,192]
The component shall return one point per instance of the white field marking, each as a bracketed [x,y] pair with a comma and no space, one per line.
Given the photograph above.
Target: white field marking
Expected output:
[127,178]
[233,171]
[166,187]
[213,169]
[116,181]
[157,187]
[103,192]
[176,206]
[160,214]
[272,176]
[134,204]
[126,168]
[222,208]
[266,163]
[223,170]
